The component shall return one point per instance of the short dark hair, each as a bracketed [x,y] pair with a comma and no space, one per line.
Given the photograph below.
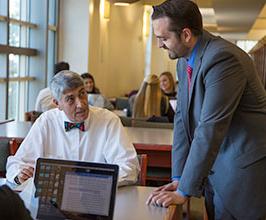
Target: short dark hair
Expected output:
[182,14]
[95,90]
[87,76]
[63,81]
[60,66]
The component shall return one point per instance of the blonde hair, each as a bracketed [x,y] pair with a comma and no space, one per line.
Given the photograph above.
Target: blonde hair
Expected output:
[148,99]
[171,79]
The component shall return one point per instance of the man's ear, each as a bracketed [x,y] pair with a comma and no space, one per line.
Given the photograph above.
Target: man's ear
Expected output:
[56,103]
[187,35]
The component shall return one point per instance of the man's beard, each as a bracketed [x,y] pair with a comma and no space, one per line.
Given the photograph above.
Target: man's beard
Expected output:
[183,52]
[173,55]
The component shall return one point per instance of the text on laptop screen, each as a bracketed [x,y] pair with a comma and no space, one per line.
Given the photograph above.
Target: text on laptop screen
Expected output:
[82,193]
[75,188]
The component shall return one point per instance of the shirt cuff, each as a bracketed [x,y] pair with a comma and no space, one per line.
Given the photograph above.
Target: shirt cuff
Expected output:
[182,193]
[176,178]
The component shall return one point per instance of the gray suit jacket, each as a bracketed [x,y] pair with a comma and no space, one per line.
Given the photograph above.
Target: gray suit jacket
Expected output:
[220,128]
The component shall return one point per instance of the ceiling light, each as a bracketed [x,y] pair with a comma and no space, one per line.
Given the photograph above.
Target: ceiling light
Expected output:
[122,2]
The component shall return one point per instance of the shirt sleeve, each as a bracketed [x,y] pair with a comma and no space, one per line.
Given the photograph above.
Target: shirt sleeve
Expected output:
[119,150]
[28,152]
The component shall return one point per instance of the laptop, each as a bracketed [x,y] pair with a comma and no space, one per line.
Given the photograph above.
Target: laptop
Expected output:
[75,190]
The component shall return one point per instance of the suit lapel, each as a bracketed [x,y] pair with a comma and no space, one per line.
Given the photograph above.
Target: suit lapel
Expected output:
[198,61]
[184,97]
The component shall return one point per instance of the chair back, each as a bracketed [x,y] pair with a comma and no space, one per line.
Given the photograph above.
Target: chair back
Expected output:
[4,153]
[14,145]
[32,116]
[7,148]
[143,162]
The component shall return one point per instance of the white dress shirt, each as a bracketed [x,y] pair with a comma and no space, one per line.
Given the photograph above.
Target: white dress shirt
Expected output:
[104,141]
[44,101]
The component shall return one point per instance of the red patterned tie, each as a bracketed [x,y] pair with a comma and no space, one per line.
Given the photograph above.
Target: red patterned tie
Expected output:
[189,75]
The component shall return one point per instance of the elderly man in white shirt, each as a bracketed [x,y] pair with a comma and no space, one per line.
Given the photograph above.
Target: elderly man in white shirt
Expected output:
[74,131]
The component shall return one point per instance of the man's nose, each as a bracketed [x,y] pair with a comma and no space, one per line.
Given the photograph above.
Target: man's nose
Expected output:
[78,102]
[160,43]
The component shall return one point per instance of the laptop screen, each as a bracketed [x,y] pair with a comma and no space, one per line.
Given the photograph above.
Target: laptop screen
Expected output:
[75,190]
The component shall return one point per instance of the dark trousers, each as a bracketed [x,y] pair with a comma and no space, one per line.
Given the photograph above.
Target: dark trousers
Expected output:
[214,206]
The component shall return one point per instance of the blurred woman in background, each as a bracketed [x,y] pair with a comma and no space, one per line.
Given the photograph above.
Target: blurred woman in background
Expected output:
[90,84]
[95,98]
[167,84]
[150,101]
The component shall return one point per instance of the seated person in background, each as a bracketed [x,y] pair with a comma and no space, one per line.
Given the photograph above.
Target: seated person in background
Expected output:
[94,96]
[149,100]
[168,87]
[11,205]
[167,84]
[74,131]
[44,99]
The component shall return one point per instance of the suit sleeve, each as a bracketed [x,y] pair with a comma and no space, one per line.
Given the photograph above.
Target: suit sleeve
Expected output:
[224,83]
[180,148]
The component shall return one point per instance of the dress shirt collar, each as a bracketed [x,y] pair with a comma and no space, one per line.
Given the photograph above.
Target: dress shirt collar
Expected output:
[191,58]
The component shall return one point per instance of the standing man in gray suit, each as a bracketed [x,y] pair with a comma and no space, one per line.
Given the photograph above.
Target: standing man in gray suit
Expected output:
[219,147]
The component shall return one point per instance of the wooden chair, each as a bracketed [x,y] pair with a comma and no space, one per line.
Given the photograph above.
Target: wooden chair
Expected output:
[4,153]
[7,147]
[143,162]
[159,163]
[32,116]
[14,145]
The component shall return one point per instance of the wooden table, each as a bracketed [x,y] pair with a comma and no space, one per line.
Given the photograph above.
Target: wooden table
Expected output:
[129,204]
[15,129]
[151,136]
[157,144]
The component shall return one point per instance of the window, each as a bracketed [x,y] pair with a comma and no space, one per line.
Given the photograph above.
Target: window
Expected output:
[246,45]
[27,52]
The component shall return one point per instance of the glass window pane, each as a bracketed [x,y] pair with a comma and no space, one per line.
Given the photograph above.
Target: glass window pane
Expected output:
[50,55]
[3,7]
[24,11]
[52,12]
[3,60]
[13,65]
[23,66]
[14,35]
[3,31]
[13,100]
[24,36]
[22,100]
[3,100]
[14,9]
